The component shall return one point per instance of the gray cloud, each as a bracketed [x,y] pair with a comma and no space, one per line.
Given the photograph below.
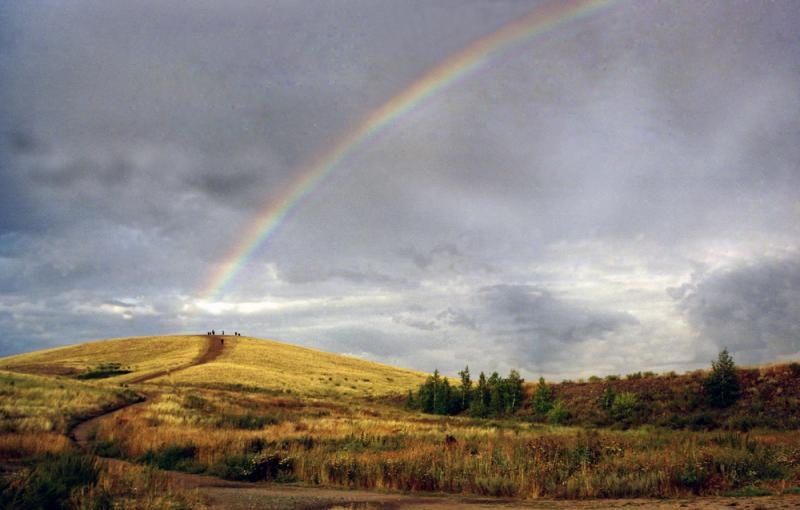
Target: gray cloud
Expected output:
[532,212]
[751,309]
[534,323]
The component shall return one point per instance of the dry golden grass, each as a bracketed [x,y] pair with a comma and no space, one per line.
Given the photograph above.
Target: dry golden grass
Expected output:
[280,367]
[137,488]
[141,355]
[368,445]
[26,444]
[32,403]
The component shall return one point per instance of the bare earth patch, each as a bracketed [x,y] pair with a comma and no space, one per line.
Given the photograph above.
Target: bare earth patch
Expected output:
[45,369]
[262,497]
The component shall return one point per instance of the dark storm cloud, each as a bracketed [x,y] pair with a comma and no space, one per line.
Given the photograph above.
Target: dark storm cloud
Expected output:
[536,324]
[751,309]
[530,213]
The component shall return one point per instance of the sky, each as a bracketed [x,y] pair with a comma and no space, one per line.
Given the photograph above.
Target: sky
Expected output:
[618,192]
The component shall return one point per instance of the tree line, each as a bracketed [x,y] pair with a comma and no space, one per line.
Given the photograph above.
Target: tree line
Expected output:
[496,396]
[491,396]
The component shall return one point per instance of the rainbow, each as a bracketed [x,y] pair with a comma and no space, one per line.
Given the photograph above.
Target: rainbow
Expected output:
[474,56]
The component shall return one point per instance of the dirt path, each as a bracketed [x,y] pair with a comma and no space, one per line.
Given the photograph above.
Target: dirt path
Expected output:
[223,494]
[212,352]
[81,431]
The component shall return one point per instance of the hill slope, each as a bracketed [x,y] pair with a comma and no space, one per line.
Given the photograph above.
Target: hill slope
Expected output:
[140,355]
[245,363]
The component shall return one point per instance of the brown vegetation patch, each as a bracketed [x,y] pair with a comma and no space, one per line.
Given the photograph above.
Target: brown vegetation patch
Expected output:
[45,369]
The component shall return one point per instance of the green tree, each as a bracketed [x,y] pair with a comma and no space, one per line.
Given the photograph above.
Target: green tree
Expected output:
[722,384]
[466,388]
[514,393]
[479,406]
[496,395]
[411,401]
[443,397]
[542,399]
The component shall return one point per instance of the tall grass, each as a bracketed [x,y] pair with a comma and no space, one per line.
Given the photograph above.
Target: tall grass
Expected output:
[70,480]
[35,410]
[380,447]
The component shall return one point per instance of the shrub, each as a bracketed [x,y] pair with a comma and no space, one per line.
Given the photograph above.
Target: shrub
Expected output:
[558,415]
[692,476]
[257,467]
[52,481]
[176,457]
[702,421]
[246,421]
[104,370]
[109,448]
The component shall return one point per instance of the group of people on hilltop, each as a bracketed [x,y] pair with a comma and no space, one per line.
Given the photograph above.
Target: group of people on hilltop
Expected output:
[214,333]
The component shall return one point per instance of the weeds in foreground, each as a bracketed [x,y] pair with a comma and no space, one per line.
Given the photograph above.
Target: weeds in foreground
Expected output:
[385,448]
[33,404]
[51,482]
[71,480]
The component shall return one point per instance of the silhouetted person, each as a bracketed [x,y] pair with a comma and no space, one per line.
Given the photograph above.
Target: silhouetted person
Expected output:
[222,341]
[212,332]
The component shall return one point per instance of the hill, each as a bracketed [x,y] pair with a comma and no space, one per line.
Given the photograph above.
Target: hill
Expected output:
[245,409]
[244,364]
[770,397]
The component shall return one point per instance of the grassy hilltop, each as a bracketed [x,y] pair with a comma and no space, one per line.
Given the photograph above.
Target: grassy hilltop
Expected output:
[257,410]
[245,364]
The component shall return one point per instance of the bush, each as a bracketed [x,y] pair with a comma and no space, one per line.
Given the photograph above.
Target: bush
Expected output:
[51,482]
[175,457]
[628,410]
[558,415]
[104,370]
[246,421]
[693,476]
[255,467]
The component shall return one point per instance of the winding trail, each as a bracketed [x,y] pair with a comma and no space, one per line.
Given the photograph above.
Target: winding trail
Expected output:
[80,432]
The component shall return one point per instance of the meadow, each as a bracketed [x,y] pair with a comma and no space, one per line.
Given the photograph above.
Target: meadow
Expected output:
[139,355]
[265,365]
[266,411]
[258,437]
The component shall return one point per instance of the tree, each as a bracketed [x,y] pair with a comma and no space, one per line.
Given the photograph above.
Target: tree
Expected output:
[514,393]
[722,384]
[496,394]
[479,406]
[466,388]
[542,399]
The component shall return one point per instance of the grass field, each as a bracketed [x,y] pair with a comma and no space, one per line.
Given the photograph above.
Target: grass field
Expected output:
[141,355]
[35,411]
[265,410]
[254,364]
[369,446]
